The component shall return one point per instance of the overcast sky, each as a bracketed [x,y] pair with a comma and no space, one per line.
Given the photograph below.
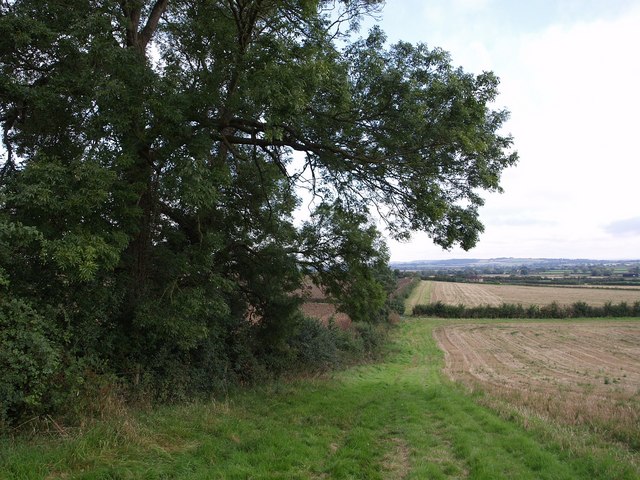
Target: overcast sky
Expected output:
[570,75]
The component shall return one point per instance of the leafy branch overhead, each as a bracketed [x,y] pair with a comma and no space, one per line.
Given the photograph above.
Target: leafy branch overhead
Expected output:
[155,153]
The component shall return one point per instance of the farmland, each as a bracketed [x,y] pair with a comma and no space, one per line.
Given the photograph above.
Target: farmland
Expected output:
[476,294]
[576,373]
[324,312]
[397,418]
[421,294]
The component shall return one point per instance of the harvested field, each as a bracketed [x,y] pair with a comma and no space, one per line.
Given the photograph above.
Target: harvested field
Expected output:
[318,304]
[324,311]
[312,292]
[476,294]
[574,372]
[469,294]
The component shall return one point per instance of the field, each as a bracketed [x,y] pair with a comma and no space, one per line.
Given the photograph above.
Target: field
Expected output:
[476,294]
[317,305]
[397,418]
[421,294]
[324,311]
[576,373]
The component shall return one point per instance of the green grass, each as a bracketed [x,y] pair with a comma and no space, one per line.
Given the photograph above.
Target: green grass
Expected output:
[420,295]
[398,418]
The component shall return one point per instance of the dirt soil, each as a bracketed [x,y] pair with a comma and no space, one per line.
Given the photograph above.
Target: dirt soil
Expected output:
[578,372]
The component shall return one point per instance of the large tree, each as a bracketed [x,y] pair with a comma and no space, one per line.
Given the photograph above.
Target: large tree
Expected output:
[155,151]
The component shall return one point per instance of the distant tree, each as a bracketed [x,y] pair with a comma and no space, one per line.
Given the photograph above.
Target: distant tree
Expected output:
[148,185]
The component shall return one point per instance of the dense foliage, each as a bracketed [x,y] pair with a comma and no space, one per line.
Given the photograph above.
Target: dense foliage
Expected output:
[155,153]
[509,310]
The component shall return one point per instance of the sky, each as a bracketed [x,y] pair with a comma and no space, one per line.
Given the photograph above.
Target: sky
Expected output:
[570,76]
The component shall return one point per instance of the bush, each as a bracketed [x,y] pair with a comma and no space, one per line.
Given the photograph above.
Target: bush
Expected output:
[373,336]
[397,299]
[553,310]
[30,361]
[533,311]
[580,309]
[506,310]
[440,309]
[318,347]
[315,346]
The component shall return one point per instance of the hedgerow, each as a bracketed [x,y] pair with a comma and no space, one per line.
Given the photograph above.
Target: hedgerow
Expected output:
[510,310]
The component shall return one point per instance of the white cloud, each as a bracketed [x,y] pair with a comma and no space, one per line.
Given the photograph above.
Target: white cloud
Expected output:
[470,6]
[573,94]
[629,226]
[569,76]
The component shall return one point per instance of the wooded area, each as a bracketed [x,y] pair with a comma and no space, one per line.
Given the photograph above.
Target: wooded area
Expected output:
[154,156]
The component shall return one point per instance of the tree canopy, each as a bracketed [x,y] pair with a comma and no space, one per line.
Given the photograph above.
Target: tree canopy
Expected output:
[154,155]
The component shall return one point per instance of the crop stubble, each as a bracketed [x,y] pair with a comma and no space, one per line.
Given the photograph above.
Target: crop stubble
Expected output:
[476,294]
[578,373]
[324,312]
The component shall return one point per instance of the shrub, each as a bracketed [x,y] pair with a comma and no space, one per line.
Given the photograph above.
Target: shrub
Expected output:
[373,336]
[533,311]
[397,299]
[553,310]
[581,309]
[30,360]
[440,309]
[314,345]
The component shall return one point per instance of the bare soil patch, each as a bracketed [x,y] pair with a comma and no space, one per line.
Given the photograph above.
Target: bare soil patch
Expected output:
[575,372]
[477,294]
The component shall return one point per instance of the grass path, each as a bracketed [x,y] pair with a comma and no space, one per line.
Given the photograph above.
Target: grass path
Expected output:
[421,294]
[397,419]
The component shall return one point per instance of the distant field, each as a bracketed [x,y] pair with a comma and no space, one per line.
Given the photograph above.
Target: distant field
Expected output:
[323,311]
[476,294]
[578,372]
[421,294]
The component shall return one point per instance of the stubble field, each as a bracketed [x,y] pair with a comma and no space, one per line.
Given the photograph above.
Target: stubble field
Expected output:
[324,312]
[575,372]
[477,294]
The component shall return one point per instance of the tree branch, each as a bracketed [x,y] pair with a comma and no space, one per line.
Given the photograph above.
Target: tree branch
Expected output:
[152,22]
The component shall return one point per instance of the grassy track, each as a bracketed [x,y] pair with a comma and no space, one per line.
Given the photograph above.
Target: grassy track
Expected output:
[421,295]
[395,419]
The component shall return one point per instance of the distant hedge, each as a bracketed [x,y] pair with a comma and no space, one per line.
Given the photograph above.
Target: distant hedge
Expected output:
[509,310]
[398,298]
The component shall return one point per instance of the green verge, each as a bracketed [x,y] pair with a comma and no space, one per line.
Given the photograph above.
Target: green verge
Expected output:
[421,294]
[398,418]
